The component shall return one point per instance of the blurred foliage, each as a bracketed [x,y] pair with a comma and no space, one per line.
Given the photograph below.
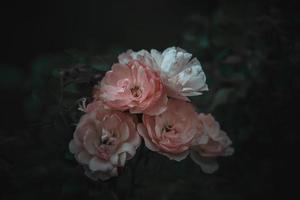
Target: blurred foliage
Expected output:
[249,64]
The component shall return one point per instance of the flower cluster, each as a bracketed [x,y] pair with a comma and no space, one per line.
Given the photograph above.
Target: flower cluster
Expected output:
[156,86]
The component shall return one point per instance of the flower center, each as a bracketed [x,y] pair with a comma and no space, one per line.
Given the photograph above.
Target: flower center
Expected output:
[136,91]
[167,128]
[107,138]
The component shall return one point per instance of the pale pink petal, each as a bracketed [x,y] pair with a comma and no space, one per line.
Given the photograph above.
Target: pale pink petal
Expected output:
[122,159]
[117,73]
[228,151]
[89,141]
[96,164]
[94,105]
[83,157]
[124,131]
[114,159]
[124,58]
[74,148]
[111,121]
[128,148]
[208,165]
[159,107]
[218,143]
[223,139]
[175,94]
[176,157]
[201,139]
[143,132]
[95,175]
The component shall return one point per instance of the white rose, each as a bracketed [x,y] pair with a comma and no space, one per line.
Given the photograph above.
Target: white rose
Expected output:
[182,75]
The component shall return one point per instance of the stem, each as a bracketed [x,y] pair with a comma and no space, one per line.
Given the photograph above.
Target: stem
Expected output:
[114,189]
[111,187]
[133,167]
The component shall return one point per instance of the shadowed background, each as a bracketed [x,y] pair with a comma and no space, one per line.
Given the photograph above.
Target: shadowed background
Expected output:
[52,50]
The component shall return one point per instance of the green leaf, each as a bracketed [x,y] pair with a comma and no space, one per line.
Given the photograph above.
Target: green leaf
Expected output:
[221,97]
[203,41]
[69,156]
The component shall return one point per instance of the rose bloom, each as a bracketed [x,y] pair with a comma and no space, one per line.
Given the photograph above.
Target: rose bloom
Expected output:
[172,132]
[182,75]
[132,85]
[218,144]
[104,140]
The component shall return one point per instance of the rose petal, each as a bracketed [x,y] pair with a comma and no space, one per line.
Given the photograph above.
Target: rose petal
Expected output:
[96,164]
[183,76]
[122,159]
[83,157]
[207,165]
[143,132]
[159,107]
[228,151]
[114,159]
[90,138]
[177,157]
[73,147]
[128,148]
[101,175]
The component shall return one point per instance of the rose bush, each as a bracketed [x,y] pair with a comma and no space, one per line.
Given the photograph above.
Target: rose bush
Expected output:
[140,83]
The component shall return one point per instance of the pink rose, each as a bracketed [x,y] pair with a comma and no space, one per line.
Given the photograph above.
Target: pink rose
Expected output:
[132,85]
[172,132]
[104,140]
[218,144]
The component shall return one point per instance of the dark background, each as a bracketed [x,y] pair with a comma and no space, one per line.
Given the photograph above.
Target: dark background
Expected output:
[51,51]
